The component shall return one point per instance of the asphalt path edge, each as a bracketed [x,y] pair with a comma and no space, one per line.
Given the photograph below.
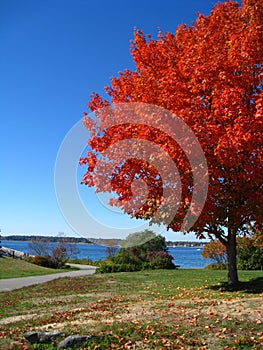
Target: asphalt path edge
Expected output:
[9,284]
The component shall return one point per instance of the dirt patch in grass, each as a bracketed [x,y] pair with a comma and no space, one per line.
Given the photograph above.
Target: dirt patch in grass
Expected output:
[14,319]
[251,309]
[136,312]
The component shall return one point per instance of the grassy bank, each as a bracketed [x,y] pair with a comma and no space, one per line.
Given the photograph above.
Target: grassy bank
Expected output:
[182,309]
[12,268]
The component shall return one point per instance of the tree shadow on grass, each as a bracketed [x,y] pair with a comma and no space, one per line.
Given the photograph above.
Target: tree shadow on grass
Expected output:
[254,286]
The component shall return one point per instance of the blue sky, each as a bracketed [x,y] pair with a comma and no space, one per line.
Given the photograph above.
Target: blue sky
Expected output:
[54,53]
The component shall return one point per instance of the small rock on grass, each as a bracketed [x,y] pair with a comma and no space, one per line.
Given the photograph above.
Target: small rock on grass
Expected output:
[71,341]
[41,337]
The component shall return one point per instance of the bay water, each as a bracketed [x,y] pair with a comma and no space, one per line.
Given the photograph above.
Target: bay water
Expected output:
[185,257]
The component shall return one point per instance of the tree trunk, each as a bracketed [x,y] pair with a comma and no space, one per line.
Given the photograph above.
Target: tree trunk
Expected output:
[232,260]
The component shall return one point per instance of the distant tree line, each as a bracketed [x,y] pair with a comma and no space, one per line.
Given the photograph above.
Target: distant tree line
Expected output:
[186,243]
[46,238]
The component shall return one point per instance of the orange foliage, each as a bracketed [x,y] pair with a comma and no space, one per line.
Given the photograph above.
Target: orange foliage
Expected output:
[210,75]
[215,250]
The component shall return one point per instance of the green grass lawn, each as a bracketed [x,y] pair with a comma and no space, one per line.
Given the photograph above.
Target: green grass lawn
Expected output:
[11,268]
[179,309]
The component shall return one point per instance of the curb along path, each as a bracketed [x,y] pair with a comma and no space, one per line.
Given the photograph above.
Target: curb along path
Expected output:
[20,282]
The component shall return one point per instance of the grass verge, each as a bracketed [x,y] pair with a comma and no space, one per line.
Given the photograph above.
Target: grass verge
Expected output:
[180,309]
[12,268]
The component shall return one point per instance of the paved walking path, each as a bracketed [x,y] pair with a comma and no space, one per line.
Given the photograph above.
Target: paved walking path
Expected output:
[16,283]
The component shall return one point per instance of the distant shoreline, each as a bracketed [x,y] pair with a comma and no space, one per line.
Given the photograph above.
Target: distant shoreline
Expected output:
[96,241]
[26,238]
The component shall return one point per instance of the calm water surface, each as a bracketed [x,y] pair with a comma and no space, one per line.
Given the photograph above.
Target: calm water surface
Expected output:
[183,256]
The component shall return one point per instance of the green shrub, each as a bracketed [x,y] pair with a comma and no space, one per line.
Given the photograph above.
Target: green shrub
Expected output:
[249,254]
[82,261]
[45,261]
[218,266]
[109,268]
[152,254]
[29,259]
[159,260]
[250,258]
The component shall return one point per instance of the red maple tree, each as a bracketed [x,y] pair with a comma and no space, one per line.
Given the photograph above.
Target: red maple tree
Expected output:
[210,75]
